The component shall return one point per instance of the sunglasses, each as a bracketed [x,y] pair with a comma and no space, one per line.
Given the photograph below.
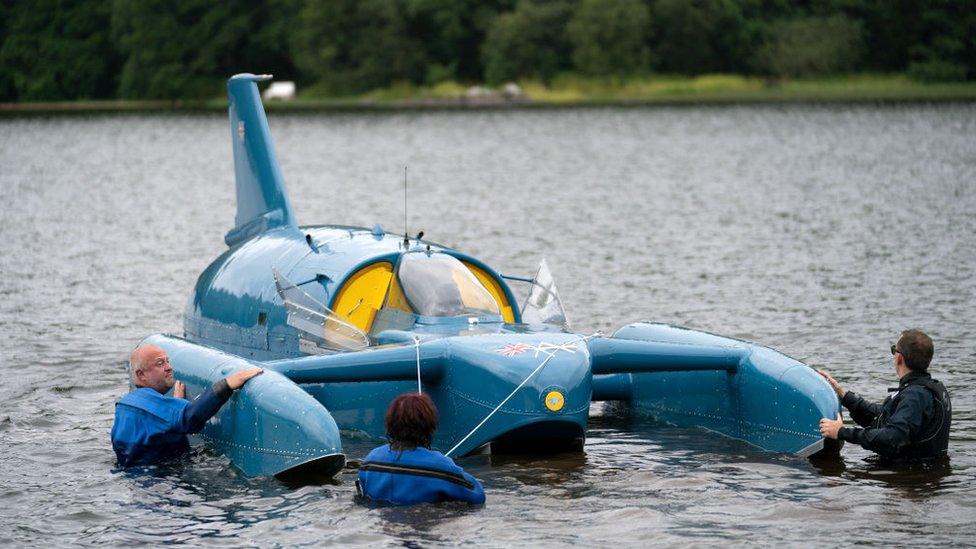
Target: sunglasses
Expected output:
[894,351]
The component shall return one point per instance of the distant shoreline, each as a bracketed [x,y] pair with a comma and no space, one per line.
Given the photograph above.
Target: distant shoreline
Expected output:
[570,93]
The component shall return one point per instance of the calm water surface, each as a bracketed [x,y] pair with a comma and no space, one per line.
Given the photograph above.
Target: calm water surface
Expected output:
[820,231]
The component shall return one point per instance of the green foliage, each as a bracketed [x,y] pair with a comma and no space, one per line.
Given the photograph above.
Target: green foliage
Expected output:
[7,90]
[608,37]
[350,46]
[353,45]
[811,46]
[266,48]
[888,29]
[452,32]
[149,49]
[937,70]
[934,39]
[189,48]
[946,47]
[700,36]
[56,49]
[529,42]
[443,26]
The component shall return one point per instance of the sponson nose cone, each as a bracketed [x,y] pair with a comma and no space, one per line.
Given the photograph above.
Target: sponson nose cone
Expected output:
[485,370]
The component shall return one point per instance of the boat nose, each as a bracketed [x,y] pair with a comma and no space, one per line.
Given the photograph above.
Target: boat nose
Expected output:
[518,389]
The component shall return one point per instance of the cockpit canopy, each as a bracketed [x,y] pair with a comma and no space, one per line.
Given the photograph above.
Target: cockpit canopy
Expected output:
[419,287]
[437,284]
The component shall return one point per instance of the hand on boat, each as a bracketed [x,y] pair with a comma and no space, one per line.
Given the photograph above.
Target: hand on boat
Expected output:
[830,427]
[838,388]
[238,379]
[179,390]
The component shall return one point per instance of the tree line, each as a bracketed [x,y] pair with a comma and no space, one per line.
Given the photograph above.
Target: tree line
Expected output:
[164,49]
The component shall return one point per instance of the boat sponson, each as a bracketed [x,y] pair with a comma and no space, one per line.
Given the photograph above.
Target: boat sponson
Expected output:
[270,425]
[769,400]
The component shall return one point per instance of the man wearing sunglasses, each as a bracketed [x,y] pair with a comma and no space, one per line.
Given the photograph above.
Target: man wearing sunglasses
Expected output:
[150,426]
[912,424]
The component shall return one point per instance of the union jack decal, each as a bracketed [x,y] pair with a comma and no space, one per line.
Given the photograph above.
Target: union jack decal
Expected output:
[513,349]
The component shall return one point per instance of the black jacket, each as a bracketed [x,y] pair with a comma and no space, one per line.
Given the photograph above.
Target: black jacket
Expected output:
[911,424]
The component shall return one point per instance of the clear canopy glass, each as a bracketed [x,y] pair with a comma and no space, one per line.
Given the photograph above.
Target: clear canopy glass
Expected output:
[436,284]
[543,306]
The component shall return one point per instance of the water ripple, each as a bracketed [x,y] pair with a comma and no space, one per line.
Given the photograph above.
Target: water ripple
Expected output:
[820,231]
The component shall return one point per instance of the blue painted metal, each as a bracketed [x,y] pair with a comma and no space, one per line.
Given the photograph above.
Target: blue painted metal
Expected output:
[465,376]
[290,416]
[767,399]
[389,364]
[619,355]
[262,203]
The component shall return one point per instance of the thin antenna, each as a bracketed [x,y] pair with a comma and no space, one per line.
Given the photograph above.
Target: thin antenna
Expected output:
[406,238]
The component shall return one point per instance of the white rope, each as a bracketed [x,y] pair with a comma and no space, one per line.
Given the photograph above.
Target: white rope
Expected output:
[416,344]
[510,395]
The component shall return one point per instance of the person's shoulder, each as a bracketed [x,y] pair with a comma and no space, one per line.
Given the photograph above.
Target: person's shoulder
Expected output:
[916,393]
[140,395]
[915,389]
[434,457]
[380,453]
[418,456]
[150,401]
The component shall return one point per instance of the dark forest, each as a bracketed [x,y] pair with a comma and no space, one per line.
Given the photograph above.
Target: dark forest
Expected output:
[56,50]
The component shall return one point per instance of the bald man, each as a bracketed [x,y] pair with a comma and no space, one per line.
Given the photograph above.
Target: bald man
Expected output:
[150,426]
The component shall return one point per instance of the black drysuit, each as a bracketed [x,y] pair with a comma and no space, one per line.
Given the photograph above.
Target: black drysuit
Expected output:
[911,424]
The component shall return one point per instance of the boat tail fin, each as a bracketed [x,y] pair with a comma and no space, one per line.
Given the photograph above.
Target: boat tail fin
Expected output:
[262,203]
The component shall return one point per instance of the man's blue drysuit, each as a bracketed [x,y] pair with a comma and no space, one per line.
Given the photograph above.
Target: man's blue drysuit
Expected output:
[150,427]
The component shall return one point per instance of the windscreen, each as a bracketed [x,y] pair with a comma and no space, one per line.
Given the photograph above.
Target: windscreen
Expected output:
[317,324]
[436,284]
[542,306]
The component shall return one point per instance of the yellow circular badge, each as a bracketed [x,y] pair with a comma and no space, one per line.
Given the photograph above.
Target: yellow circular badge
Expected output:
[555,401]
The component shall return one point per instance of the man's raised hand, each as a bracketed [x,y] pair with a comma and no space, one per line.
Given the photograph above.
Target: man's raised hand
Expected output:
[238,379]
[830,427]
[838,388]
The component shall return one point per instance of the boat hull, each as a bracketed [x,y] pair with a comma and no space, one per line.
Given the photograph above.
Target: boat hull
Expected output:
[485,392]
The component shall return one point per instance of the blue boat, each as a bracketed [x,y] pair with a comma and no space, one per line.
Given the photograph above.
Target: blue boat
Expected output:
[343,319]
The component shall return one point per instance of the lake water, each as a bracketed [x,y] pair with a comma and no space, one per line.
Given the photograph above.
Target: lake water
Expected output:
[820,231]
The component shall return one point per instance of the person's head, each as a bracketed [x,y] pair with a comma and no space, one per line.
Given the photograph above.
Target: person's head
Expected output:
[151,368]
[913,351]
[411,421]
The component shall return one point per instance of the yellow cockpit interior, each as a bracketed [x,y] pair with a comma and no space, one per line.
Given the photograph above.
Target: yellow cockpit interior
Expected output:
[374,286]
[363,293]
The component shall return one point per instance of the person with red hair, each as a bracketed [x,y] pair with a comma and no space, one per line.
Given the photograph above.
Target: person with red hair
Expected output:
[406,471]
